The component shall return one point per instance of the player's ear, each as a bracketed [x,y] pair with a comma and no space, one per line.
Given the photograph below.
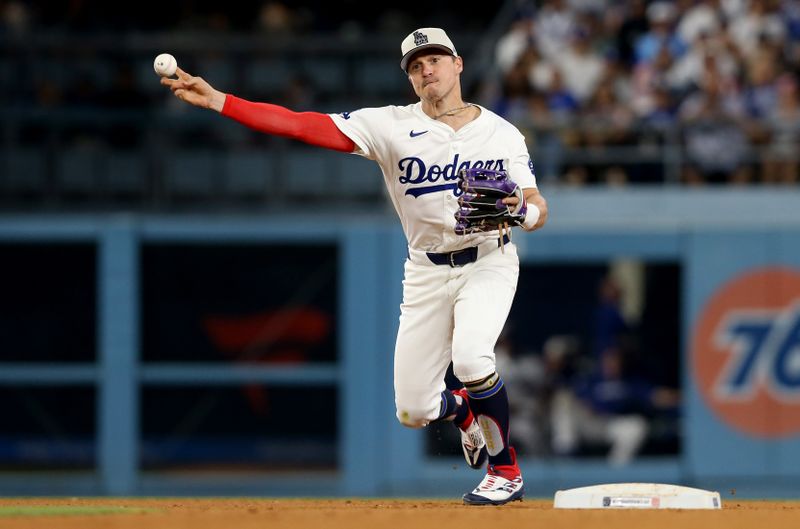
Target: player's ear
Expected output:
[459,63]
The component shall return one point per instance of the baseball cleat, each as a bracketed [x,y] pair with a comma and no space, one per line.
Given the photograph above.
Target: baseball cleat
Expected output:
[472,442]
[502,484]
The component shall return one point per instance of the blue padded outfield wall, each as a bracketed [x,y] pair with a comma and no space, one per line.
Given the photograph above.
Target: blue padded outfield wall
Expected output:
[739,253]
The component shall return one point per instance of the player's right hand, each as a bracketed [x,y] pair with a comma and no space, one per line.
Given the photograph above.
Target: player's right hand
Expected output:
[195,90]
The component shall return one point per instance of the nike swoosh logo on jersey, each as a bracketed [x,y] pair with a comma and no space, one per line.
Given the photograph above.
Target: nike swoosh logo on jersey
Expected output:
[415,134]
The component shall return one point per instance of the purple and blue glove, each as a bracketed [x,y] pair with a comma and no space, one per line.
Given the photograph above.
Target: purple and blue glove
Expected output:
[481,206]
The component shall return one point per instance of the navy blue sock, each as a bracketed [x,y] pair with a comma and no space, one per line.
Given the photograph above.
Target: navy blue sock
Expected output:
[450,407]
[492,403]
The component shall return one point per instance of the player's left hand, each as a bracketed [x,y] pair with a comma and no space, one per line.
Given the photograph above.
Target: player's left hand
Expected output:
[489,201]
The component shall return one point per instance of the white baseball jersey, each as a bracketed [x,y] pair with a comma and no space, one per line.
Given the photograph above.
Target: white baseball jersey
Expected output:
[420,158]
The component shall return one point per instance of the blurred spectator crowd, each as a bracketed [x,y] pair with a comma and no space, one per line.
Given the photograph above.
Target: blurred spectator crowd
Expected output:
[607,92]
[716,77]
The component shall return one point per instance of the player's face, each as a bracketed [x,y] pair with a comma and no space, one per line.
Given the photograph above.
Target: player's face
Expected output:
[434,74]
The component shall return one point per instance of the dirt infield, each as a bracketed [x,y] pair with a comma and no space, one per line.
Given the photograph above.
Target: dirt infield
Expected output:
[246,513]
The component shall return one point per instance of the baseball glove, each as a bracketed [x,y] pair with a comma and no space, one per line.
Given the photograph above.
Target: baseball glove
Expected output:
[481,205]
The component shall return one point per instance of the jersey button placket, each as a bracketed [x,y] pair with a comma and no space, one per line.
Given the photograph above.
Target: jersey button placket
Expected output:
[448,205]
[455,146]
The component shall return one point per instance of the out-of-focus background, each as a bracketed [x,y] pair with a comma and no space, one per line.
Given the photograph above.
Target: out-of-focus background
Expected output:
[190,307]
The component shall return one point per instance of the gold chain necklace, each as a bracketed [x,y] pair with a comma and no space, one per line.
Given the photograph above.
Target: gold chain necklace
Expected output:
[454,111]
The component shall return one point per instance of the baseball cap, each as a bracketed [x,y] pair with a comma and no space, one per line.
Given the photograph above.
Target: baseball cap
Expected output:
[424,38]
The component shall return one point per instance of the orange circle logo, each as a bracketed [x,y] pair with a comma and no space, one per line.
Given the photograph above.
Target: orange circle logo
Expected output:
[746,352]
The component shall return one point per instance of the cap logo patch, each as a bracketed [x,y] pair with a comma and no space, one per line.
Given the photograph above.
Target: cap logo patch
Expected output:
[420,38]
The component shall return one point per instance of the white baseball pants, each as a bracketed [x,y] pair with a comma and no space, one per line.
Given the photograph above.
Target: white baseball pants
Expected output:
[449,313]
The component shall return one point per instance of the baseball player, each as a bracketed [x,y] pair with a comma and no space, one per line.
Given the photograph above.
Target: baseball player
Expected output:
[439,157]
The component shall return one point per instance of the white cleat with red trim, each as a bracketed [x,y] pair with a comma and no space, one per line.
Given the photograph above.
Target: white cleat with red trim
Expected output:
[502,484]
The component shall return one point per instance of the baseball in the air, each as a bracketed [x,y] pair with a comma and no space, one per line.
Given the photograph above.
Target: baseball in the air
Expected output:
[165,65]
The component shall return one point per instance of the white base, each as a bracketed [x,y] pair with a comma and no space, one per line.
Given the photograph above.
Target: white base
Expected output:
[637,496]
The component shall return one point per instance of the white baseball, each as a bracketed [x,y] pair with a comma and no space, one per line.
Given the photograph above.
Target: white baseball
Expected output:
[165,65]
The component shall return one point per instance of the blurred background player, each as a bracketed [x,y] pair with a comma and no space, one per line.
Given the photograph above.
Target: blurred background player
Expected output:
[609,406]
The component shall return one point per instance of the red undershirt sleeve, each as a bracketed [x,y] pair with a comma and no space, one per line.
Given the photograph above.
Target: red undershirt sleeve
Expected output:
[313,128]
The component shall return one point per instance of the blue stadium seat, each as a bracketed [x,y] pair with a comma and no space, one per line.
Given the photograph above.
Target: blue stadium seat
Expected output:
[190,174]
[219,71]
[310,171]
[146,77]
[126,173]
[232,132]
[267,76]
[382,76]
[7,72]
[77,169]
[23,171]
[248,174]
[328,74]
[53,70]
[322,173]
[101,72]
[359,177]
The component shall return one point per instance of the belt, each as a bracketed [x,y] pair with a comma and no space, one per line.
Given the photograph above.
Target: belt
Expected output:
[460,257]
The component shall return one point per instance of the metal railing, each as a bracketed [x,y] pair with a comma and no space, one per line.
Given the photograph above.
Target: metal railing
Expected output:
[188,158]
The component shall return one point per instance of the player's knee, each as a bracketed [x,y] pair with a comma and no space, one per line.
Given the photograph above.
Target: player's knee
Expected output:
[473,359]
[416,412]
[410,419]
[473,344]
[473,369]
